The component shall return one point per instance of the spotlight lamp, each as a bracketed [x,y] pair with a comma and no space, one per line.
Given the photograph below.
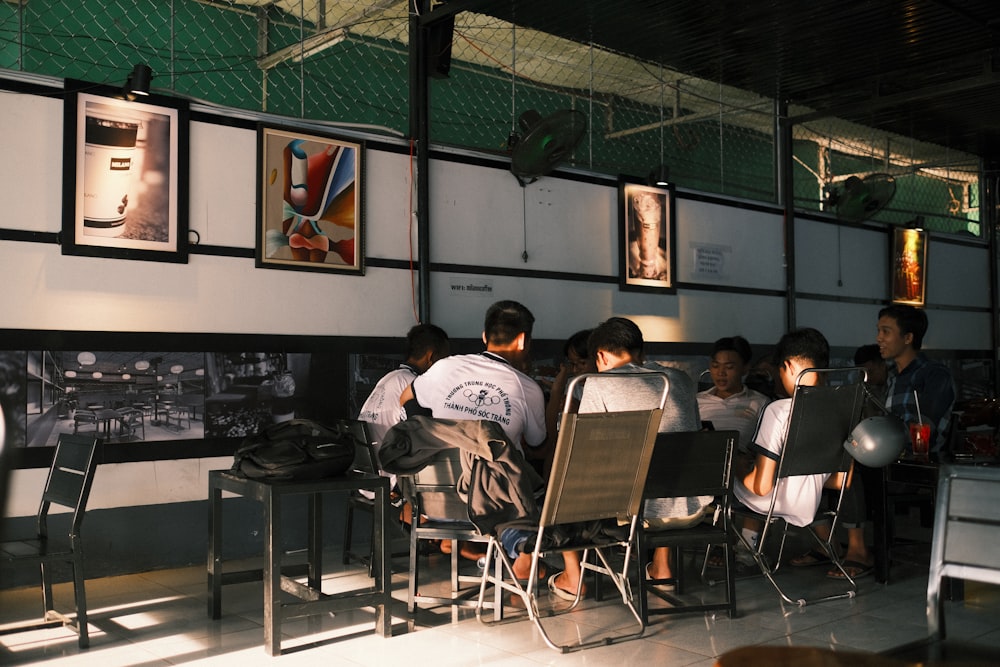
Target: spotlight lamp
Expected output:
[137,83]
[660,175]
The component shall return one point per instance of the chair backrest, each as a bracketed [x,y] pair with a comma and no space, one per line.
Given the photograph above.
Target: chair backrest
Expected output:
[691,463]
[966,530]
[601,458]
[70,478]
[433,488]
[365,461]
[822,418]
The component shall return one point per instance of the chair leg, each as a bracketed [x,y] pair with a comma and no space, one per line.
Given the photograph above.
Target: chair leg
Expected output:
[80,598]
[47,602]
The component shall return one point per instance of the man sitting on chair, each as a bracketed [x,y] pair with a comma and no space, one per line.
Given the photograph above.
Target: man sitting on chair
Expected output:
[616,346]
[799,496]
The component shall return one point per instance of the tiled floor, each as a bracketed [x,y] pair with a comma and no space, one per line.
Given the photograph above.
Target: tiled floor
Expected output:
[159,618]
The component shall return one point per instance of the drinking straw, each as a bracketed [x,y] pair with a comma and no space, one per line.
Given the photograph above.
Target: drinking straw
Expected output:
[917,400]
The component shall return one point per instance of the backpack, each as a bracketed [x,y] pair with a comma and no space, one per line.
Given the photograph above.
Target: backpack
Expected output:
[296,449]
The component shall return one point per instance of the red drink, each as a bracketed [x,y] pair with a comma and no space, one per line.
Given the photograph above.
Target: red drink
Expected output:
[920,437]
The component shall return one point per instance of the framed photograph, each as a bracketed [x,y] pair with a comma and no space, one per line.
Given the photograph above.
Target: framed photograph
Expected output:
[646,219]
[310,210]
[909,266]
[123,194]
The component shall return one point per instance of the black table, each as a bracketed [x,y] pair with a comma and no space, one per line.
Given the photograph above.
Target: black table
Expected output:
[310,599]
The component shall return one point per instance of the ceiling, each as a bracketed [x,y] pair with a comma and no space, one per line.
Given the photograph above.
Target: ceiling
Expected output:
[922,69]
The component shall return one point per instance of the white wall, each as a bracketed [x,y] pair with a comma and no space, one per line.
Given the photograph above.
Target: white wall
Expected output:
[480,216]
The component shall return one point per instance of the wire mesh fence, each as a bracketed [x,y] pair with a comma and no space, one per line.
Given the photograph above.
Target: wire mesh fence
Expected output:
[346,61]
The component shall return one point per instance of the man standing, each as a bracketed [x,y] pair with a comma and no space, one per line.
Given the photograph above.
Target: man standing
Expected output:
[913,377]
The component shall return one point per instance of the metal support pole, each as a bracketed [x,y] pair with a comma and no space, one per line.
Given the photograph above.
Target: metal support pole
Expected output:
[786,197]
[419,134]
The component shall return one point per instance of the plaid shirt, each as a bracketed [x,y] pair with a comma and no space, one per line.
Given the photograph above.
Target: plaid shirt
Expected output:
[933,384]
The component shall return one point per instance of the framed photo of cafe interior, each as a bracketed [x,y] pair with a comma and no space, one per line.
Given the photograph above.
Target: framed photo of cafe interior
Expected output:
[310,209]
[909,266]
[123,156]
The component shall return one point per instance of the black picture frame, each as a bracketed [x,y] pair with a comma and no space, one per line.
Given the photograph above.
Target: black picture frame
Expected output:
[310,211]
[646,261]
[125,167]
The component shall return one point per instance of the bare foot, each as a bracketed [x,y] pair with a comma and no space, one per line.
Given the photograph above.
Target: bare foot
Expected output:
[522,567]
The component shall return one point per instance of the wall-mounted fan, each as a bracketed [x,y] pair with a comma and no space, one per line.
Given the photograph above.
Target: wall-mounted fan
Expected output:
[857,199]
[546,141]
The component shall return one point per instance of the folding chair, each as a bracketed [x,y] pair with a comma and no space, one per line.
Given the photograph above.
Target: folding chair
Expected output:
[966,534]
[68,484]
[822,418]
[598,472]
[687,464]
[365,464]
[432,494]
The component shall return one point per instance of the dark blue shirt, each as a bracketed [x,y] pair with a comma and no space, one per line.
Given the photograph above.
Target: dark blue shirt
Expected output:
[936,391]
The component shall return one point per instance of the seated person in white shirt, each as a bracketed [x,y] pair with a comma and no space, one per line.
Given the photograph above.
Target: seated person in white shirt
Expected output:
[729,404]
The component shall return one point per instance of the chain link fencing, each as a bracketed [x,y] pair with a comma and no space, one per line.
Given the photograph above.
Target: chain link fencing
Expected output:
[346,62]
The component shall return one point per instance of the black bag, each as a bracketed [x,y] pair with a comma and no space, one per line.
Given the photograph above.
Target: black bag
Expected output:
[296,449]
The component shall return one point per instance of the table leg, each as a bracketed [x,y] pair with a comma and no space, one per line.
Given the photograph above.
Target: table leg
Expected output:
[214,551]
[316,541]
[272,573]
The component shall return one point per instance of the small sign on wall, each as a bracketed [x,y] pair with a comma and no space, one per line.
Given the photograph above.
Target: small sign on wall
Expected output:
[711,261]
[471,287]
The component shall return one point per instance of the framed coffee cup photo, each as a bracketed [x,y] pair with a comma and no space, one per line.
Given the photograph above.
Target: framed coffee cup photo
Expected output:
[646,221]
[123,194]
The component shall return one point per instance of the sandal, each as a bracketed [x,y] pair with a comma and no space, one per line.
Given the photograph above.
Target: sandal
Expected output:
[559,592]
[809,559]
[854,568]
[666,585]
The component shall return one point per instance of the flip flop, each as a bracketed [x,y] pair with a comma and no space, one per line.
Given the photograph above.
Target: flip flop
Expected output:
[559,592]
[665,585]
[809,559]
[854,568]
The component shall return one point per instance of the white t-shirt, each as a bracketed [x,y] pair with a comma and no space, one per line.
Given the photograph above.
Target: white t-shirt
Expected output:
[798,497]
[382,410]
[484,386]
[739,412]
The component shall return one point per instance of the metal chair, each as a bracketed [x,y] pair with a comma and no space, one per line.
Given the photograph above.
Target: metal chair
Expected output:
[439,514]
[131,423]
[822,417]
[68,484]
[686,464]
[966,533]
[598,473]
[365,464]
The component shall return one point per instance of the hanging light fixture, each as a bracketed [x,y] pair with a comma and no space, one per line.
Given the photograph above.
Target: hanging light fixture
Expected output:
[97,375]
[660,175]
[126,376]
[86,358]
[70,374]
[141,365]
[137,83]
[176,369]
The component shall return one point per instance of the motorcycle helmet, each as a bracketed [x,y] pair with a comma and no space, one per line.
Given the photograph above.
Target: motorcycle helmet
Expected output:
[877,441]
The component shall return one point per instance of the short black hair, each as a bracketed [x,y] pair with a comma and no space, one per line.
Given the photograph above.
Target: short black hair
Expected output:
[807,344]
[616,335]
[505,321]
[578,343]
[910,320]
[737,344]
[426,337]
[867,353]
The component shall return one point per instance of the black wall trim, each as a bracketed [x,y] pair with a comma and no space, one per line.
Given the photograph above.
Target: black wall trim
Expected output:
[220,250]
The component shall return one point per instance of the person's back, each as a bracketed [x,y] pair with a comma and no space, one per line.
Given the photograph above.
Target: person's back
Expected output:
[798,497]
[489,385]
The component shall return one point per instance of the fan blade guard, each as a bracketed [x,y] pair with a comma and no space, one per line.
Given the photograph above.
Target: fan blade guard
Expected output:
[547,142]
